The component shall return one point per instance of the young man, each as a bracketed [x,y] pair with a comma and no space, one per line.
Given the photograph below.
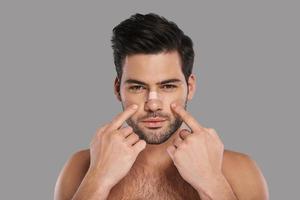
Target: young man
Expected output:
[155,156]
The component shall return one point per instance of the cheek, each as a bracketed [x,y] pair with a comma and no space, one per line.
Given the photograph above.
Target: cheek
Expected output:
[178,99]
[128,100]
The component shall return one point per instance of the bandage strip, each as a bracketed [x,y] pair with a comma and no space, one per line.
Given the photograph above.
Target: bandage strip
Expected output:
[153,95]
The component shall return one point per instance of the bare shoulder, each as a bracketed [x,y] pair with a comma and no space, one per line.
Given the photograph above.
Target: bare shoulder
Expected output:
[71,175]
[244,176]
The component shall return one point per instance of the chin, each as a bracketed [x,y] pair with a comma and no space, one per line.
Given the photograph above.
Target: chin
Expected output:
[155,142]
[155,136]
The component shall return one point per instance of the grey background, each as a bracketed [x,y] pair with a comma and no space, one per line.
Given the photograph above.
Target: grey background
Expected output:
[57,73]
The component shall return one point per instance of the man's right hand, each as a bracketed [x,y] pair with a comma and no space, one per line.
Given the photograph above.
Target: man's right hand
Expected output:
[114,149]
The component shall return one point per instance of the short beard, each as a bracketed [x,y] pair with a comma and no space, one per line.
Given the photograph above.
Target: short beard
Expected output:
[157,138]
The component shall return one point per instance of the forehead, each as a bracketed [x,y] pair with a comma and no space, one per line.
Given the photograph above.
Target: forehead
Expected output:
[151,68]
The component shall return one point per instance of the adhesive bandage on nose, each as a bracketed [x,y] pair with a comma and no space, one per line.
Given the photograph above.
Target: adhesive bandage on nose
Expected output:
[153,95]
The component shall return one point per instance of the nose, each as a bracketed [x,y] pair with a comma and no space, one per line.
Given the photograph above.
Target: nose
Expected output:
[153,103]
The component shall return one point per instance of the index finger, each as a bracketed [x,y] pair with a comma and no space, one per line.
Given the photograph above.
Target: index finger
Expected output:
[187,118]
[121,117]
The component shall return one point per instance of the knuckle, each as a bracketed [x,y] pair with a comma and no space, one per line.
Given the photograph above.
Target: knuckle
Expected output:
[177,144]
[126,129]
[177,140]
[132,138]
[116,136]
[109,127]
[139,145]
[100,130]
[143,144]
[182,146]
[136,137]
[98,136]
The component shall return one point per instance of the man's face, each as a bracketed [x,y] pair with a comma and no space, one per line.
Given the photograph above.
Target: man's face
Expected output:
[161,75]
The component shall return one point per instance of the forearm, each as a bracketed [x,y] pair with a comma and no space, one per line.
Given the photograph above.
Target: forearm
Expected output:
[92,187]
[217,189]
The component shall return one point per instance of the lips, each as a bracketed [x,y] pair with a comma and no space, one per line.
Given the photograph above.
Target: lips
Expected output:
[154,122]
[156,119]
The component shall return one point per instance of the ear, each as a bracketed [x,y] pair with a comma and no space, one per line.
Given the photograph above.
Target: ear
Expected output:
[117,85]
[191,86]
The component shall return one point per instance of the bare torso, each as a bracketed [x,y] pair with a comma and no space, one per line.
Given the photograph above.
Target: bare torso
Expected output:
[139,184]
[164,184]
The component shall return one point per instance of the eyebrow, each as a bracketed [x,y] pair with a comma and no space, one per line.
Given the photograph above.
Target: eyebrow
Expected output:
[173,80]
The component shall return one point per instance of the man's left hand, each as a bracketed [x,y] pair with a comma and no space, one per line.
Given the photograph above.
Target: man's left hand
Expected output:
[197,154]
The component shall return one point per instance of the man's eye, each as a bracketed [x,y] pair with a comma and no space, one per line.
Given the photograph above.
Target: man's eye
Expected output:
[136,88]
[168,87]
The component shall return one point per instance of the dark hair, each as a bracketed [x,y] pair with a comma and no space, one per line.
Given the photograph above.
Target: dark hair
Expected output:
[150,34]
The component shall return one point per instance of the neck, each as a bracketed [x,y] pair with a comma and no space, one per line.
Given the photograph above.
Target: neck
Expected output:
[156,157]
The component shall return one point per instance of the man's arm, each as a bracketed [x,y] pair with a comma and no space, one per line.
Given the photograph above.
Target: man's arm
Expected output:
[71,175]
[242,180]
[75,181]
[245,177]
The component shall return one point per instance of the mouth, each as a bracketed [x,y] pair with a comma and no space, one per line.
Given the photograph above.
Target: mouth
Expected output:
[154,122]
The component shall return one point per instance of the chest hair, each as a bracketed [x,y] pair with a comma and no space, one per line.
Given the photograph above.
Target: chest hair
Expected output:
[139,184]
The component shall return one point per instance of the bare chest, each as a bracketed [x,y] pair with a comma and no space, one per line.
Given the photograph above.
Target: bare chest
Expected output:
[138,185]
